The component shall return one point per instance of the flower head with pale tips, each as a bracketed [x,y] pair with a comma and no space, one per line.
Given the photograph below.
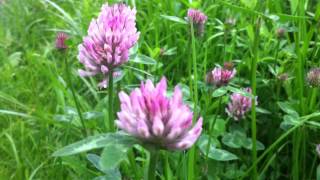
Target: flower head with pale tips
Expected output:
[148,114]
[239,105]
[109,40]
[313,77]
[198,19]
[61,41]
[220,76]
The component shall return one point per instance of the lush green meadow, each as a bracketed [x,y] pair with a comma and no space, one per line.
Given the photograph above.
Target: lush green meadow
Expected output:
[45,105]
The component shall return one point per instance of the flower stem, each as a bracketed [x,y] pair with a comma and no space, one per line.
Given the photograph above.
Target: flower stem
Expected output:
[191,156]
[254,86]
[84,129]
[211,128]
[110,100]
[154,154]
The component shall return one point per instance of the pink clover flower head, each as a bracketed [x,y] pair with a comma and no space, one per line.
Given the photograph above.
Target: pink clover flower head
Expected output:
[198,19]
[61,41]
[239,105]
[164,122]
[313,77]
[109,40]
[196,16]
[220,76]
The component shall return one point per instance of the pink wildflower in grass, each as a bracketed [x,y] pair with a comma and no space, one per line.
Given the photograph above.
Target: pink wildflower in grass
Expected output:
[198,19]
[109,40]
[61,41]
[148,114]
[220,76]
[313,77]
[239,105]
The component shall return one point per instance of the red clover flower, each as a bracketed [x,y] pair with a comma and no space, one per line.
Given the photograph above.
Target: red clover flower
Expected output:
[148,114]
[109,39]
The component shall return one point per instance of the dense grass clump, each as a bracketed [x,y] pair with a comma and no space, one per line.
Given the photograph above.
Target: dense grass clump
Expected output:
[236,90]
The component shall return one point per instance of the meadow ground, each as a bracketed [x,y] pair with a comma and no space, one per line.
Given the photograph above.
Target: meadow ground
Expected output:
[271,45]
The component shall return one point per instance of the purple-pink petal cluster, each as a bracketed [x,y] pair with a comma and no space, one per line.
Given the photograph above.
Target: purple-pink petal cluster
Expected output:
[197,16]
[198,19]
[220,76]
[239,105]
[109,40]
[61,41]
[148,114]
[313,77]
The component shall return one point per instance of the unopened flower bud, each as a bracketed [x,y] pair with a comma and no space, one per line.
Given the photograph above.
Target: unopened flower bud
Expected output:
[313,77]
[283,77]
[280,33]
[61,41]
[198,19]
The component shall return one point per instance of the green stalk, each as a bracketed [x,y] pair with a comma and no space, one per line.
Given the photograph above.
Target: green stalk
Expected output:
[167,170]
[254,86]
[301,121]
[211,128]
[313,99]
[276,55]
[154,154]
[84,129]
[299,135]
[133,163]
[191,157]
[110,100]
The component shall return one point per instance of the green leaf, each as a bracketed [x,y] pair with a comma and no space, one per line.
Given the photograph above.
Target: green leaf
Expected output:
[94,159]
[15,58]
[143,59]
[238,139]
[94,142]
[219,127]
[318,172]
[221,155]
[174,19]
[113,174]
[215,153]
[233,140]
[289,121]
[240,91]
[248,144]
[287,108]
[249,3]
[112,155]
[219,92]
[262,111]
[92,115]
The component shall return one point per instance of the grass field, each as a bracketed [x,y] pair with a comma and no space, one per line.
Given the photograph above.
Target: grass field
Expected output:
[45,105]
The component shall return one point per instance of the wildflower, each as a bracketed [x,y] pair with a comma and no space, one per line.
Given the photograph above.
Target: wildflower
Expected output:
[283,77]
[313,77]
[61,41]
[239,105]
[109,39]
[198,19]
[148,114]
[221,76]
[280,33]
[230,22]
